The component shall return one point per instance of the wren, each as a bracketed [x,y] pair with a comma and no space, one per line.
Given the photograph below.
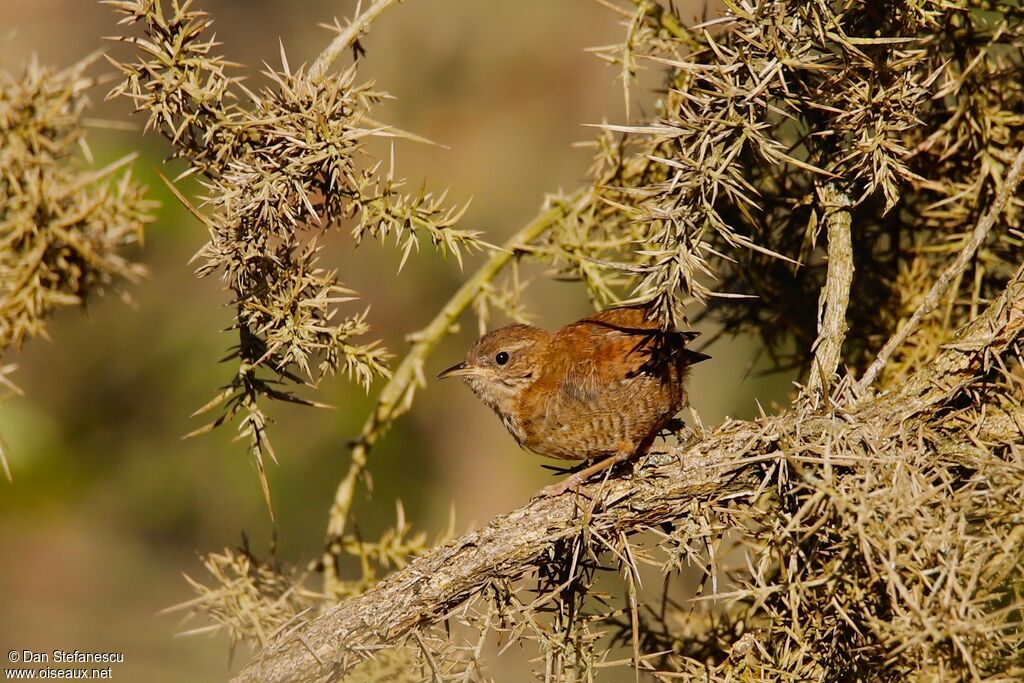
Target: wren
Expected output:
[600,389]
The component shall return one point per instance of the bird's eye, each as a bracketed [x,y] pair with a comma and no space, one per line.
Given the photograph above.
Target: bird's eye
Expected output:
[501,358]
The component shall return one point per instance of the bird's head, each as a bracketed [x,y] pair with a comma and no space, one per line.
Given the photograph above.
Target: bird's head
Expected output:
[502,364]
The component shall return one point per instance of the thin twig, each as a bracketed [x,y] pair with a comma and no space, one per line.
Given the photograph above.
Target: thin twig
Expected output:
[954,270]
[835,295]
[347,37]
[434,671]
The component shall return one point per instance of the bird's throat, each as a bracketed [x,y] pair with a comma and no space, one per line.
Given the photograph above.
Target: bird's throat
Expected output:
[503,399]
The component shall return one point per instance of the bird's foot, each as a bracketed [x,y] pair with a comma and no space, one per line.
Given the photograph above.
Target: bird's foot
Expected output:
[570,483]
[574,480]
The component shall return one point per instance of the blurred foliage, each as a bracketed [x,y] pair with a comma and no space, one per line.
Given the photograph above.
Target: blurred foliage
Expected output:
[63,225]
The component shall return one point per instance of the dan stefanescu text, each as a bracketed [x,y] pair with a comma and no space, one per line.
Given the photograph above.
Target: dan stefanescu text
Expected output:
[71,657]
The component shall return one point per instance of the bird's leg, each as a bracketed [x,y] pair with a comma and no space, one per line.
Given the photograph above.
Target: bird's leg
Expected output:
[577,478]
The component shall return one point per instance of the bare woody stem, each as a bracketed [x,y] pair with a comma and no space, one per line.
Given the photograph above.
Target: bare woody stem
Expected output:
[347,37]
[835,295]
[953,271]
[726,463]
[396,396]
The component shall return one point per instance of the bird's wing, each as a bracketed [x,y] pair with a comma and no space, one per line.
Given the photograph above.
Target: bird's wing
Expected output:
[609,347]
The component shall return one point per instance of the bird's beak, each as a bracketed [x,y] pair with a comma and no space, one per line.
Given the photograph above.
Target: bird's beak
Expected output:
[458,370]
[694,357]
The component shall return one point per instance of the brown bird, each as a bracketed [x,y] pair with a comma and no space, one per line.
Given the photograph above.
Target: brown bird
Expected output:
[600,389]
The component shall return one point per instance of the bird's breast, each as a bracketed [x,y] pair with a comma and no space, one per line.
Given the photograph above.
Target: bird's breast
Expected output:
[514,425]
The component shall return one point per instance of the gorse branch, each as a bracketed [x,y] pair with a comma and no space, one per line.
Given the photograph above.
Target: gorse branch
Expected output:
[348,37]
[760,111]
[280,166]
[835,295]
[953,271]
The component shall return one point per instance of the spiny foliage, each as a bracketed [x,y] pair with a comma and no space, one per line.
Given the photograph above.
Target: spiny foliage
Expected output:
[866,557]
[252,599]
[280,165]
[63,225]
[912,109]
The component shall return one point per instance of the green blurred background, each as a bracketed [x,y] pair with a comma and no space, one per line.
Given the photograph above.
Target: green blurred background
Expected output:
[109,506]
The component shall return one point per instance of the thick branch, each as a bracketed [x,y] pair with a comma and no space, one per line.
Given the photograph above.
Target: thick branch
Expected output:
[721,464]
[988,334]
[511,544]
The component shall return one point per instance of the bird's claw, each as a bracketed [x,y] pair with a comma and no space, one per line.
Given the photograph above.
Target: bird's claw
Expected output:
[568,484]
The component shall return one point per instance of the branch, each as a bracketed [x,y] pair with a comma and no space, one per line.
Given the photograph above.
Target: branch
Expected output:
[992,331]
[953,271]
[835,295]
[727,462]
[509,546]
[347,37]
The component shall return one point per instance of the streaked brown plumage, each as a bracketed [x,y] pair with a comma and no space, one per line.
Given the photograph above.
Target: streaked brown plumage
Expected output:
[599,388]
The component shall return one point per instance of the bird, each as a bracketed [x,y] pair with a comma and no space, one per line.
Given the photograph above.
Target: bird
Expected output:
[599,389]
